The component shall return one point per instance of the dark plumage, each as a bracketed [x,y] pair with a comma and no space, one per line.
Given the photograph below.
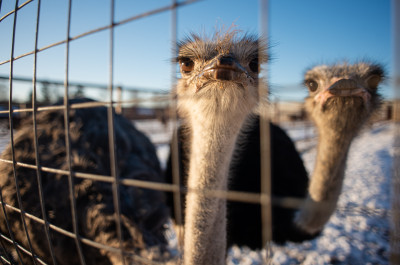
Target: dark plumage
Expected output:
[143,212]
[341,99]
[289,179]
[244,219]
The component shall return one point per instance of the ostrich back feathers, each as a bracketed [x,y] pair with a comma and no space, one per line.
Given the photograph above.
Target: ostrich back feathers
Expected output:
[143,212]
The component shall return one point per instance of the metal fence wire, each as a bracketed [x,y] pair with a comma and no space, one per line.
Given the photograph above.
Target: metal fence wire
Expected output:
[69,175]
[72,175]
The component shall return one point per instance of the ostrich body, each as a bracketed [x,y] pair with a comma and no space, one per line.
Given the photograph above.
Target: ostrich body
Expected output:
[143,212]
[214,105]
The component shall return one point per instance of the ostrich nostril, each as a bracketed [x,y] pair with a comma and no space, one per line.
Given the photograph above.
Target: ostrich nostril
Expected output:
[226,60]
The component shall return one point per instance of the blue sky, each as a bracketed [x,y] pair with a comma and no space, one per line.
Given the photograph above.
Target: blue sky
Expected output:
[302,34]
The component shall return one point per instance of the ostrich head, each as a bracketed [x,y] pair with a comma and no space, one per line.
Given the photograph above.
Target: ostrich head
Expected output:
[219,74]
[343,96]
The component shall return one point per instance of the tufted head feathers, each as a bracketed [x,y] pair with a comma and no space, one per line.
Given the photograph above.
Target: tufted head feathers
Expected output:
[343,95]
[220,72]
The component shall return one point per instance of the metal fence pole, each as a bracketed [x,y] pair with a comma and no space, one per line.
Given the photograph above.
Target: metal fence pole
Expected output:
[175,138]
[36,140]
[395,231]
[71,176]
[10,108]
[111,135]
[265,135]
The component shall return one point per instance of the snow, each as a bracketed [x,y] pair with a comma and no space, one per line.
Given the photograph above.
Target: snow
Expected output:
[358,232]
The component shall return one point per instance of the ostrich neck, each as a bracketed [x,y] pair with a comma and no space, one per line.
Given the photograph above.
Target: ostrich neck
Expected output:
[212,143]
[326,181]
[327,178]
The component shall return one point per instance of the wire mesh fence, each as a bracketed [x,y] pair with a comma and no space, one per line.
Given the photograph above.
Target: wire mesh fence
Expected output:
[72,176]
[113,178]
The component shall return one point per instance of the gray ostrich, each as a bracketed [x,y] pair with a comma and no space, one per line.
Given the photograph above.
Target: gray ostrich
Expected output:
[341,99]
[143,211]
[216,96]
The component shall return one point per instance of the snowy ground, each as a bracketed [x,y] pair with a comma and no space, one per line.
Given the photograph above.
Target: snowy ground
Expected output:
[358,233]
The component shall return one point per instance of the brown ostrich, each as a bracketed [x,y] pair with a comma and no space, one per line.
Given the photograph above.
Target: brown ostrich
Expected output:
[216,96]
[143,212]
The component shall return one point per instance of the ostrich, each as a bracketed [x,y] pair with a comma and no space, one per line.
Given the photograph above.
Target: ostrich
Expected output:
[341,99]
[216,93]
[143,211]
[217,96]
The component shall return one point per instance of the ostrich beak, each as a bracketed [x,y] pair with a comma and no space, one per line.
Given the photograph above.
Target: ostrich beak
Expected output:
[344,88]
[224,68]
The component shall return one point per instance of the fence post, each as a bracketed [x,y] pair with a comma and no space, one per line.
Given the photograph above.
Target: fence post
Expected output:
[395,231]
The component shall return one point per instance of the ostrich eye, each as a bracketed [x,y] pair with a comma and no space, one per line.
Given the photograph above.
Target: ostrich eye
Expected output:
[186,65]
[253,65]
[312,85]
[373,81]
